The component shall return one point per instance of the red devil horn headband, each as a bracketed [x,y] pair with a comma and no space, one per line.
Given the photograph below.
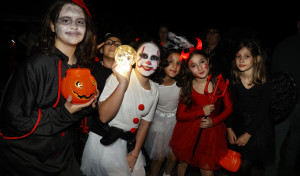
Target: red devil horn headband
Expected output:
[82,4]
[199,44]
[186,55]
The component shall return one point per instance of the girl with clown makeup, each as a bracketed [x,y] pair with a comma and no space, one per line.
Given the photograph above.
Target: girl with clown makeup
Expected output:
[126,108]
[37,124]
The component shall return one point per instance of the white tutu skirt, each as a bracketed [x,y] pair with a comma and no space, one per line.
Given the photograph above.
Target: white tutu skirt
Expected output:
[159,135]
[100,160]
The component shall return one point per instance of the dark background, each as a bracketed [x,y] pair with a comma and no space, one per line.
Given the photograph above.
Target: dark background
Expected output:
[270,21]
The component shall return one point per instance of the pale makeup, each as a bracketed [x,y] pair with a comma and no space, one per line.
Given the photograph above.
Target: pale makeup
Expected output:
[70,27]
[147,59]
[199,66]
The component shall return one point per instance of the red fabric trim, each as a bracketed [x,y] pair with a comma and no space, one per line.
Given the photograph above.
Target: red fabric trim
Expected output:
[35,126]
[40,114]
[59,83]
[86,127]
[83,126]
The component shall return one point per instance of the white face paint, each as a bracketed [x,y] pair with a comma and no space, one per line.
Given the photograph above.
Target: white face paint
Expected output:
[147,59]
[70,27]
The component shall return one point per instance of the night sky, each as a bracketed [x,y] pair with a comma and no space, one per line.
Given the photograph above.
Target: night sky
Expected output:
[272,21]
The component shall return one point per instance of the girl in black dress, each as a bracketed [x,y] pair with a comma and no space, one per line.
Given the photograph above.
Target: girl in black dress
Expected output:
[249,129]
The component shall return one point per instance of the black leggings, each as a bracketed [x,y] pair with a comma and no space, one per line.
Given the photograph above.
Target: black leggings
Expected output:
[245,169]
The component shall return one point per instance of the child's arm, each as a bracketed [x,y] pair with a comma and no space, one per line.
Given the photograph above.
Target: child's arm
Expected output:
[183,113]
[227,110]
[110,106]
[140,138]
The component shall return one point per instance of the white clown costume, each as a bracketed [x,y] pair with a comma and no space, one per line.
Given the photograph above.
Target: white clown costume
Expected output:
[138,103]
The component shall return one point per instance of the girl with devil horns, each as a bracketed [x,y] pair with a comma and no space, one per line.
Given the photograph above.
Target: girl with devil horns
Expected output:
[199,137]
[37,123]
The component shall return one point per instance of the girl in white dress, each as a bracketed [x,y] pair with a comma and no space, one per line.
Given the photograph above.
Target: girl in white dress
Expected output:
[126,108]
[161,129]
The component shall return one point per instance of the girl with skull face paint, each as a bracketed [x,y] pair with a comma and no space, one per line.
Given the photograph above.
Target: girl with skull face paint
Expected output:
[37,124]
[127,105]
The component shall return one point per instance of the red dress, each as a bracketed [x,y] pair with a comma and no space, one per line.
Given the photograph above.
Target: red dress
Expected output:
[212,143]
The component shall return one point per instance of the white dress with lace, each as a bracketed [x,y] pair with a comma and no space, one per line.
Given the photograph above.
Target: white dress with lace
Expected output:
[161,129]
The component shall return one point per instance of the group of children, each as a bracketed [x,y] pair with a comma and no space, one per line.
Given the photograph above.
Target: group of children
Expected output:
[160,104]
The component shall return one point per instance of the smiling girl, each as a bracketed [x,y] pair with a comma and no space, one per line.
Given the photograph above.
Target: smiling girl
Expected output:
[126,108]
[161,129]
[37,123]
[192,109]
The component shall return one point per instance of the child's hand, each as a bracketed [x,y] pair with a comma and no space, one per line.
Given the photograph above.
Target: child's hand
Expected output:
[73,108]
[95,98]
[243,139]
[231,136]
[208,109]
[131,161]
[100,45]
[205,122]
[122,78]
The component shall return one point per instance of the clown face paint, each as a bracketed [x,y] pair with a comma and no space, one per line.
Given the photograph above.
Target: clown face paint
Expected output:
[199,67]
[70,26]
[147,59]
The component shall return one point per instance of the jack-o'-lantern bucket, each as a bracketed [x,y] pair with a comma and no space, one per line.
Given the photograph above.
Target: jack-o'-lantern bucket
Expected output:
[80,84]
[232,161]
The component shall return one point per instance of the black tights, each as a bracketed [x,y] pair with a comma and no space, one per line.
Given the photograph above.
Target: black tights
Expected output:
[245,169]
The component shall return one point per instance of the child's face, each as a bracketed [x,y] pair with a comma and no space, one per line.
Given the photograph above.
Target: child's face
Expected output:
[174,65]
[70,27]
[244,60]
[147,59]
[199,66]
[110,46]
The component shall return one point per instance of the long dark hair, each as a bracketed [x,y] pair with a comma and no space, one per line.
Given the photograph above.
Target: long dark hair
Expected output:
[160,73]
[186,77]
[85,49]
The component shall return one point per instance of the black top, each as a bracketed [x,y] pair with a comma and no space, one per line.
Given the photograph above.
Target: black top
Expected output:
[47,133]
[101,73]
[251,114]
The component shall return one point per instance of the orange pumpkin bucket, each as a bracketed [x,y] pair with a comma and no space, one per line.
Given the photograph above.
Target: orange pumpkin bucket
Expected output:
[232,161]
[80,84]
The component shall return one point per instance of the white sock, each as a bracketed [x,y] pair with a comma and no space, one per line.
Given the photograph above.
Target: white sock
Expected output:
[166,174]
